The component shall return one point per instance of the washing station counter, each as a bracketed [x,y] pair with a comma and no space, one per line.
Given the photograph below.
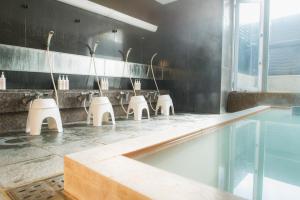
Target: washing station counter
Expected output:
[14,105]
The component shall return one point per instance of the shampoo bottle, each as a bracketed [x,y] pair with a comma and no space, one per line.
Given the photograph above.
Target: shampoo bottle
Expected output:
[67,83]
[59,83]
[2,82]
[63,83]
[135,85]
[107,86]
[140,85]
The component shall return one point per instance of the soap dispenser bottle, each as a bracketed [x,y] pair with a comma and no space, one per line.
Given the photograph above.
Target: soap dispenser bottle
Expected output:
[107,86]
[59,83]
[135,85]
[64,82]
[2,82]
[138,84]
[67,83]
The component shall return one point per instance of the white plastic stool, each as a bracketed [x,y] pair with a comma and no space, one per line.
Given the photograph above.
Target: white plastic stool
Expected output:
[99,110]
[39,110]
[164,103]
[138,104]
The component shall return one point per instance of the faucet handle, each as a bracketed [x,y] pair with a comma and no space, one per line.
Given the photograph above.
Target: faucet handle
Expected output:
[38,94]
[120,95]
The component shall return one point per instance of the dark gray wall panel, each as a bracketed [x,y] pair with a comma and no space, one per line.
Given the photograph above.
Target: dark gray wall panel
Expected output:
[189,37]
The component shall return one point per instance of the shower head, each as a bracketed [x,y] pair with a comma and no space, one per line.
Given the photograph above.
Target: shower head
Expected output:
[95,47]
[128,52]
[50,35]
[92,51]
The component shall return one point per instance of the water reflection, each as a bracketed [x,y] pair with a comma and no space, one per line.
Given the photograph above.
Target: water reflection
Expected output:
[257,158]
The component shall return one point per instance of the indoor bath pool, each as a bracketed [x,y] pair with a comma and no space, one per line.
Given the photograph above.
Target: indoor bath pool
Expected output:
[254,158]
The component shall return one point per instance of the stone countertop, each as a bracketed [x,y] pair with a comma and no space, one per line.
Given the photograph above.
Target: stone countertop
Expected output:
[12,100]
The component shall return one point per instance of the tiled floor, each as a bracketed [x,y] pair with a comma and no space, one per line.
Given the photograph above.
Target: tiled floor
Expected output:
[25,159]
[49,189]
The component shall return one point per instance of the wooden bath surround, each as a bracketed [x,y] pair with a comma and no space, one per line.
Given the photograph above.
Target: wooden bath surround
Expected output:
[109,172]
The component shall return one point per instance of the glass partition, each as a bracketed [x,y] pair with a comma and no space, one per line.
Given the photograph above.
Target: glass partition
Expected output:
[284,46]
[247,42]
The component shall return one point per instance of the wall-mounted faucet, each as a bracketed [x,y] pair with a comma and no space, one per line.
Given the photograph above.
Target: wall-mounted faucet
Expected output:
[123,94]
[28,97]
[86,96]
[151,95]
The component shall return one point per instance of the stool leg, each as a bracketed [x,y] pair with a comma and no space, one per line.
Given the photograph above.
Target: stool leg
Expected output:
[28,122]
[58,121]
[112,115]
[166,111]
[172,108]
[28,118]
[35,126]
[148,113]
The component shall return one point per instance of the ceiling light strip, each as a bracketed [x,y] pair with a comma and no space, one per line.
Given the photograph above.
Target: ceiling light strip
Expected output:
[108,12]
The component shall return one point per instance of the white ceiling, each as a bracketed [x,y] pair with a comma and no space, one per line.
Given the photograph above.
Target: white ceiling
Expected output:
[165,1]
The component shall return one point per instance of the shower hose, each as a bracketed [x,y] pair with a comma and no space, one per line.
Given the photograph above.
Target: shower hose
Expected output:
[93,62]
[50,62]
[151,66]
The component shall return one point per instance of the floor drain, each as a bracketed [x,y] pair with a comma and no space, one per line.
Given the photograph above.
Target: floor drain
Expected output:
[49,189]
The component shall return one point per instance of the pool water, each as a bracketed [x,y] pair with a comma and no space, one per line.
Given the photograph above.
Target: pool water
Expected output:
[254,158]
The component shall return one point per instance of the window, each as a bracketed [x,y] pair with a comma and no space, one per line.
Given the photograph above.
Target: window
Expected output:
[284,46]
[247,40]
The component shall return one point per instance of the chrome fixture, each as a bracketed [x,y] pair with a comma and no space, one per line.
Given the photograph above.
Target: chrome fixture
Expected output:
[50,35]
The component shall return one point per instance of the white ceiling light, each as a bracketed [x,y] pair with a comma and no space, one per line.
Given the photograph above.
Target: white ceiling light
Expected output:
[165,1]
[108,12]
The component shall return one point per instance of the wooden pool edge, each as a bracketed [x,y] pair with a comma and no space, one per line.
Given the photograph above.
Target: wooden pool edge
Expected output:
[108,172]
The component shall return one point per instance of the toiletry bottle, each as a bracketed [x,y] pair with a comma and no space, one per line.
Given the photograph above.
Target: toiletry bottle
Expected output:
[104,85]
[59,82]
[107,86]
[67,83]
[140,85]
[135,85]
[63,83]
[2,82]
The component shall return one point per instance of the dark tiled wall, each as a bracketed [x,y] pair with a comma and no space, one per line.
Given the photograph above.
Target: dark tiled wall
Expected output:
[189,37]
